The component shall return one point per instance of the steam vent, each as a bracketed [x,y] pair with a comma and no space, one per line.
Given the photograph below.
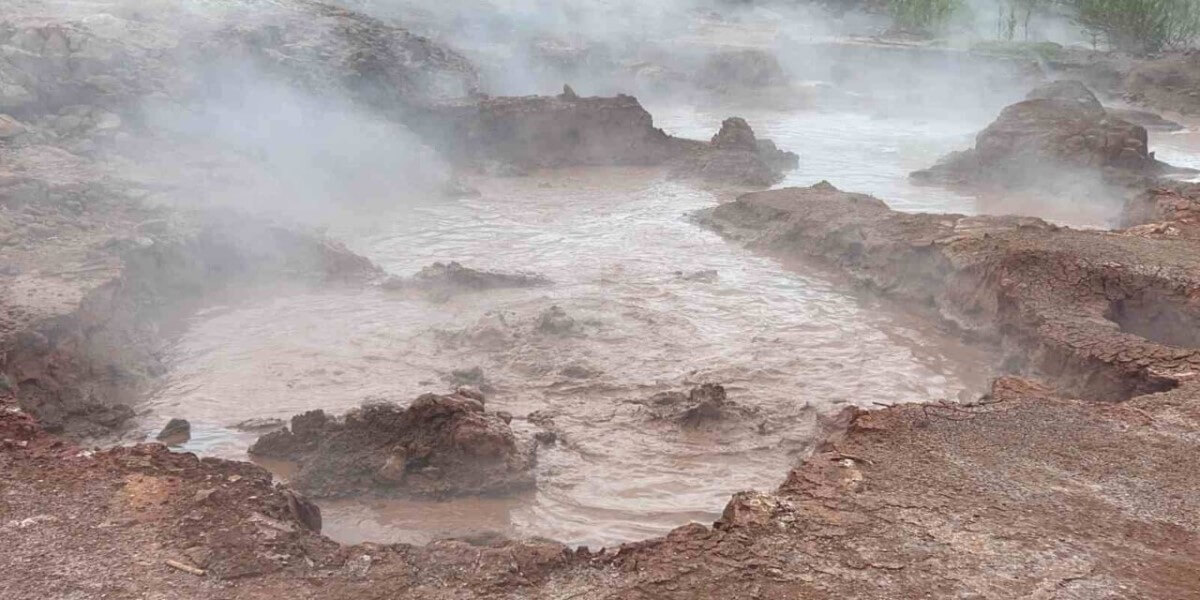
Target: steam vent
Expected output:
[599,300]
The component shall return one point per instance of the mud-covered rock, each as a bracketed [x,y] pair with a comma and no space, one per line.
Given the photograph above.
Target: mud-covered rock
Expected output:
[567,130]
[437,447]
[736,156]
[703,406]
[556,321]
[175,432]
[441,281]
[1061,132]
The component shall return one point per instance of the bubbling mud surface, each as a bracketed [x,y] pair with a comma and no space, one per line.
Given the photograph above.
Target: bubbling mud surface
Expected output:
[654,304]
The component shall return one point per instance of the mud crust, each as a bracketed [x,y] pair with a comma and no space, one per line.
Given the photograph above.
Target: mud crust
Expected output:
[1043,291]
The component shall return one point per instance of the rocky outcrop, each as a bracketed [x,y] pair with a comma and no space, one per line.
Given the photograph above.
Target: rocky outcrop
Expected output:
[437,447]
[1101,314]
[1060,132]
[545,132]
[736,156]
[1166,83]
[326,47]
[73,55]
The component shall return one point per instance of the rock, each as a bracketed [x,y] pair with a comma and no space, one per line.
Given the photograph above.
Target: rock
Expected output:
[544,132]
[303,510]
[736,156]
[441,281]
[468,380]
[1059,134]
[735,134]
[568,93]
[751,509]
[702,406]
[705,276]
[555,321]
[176,432]
[200,556]
[1067,91]
[259,424]
[708,404]
[439,446]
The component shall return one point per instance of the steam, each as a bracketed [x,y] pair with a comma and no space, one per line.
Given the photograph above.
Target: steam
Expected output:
[227,131]
[261,146]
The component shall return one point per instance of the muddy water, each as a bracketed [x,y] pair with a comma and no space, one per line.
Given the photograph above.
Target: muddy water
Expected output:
[855,151]
[659,304]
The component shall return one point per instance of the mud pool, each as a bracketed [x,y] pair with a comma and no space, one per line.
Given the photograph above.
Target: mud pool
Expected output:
[658,304]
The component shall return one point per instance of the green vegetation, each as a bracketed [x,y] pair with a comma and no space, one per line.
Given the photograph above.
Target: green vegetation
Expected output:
[1139,26]
[1038,50]
[927,16]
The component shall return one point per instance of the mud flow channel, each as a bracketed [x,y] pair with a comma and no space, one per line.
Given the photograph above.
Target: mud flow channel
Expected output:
[649,302]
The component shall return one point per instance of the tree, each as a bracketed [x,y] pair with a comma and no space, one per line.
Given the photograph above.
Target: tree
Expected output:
[1139,26]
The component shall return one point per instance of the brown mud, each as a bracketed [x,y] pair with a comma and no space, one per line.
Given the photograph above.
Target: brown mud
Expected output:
[1023,493]
[1079,487]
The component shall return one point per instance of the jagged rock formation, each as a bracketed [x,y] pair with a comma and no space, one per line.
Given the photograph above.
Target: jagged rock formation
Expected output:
[1061,132]
[735,155]
[439,446]
[566,130]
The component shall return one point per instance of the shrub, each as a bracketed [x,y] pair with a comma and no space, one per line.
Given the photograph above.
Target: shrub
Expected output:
[1139,26]
[929,16]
